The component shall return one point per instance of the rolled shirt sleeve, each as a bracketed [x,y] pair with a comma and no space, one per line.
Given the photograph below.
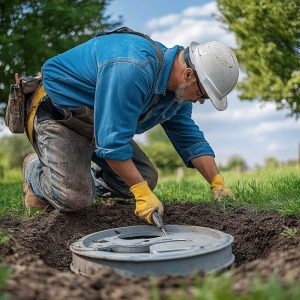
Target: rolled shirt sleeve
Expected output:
[185,135]
[121,88]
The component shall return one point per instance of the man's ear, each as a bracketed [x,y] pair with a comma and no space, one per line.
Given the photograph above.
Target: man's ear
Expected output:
[187,74]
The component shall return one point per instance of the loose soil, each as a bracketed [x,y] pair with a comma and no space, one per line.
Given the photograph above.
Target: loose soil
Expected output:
[39,256]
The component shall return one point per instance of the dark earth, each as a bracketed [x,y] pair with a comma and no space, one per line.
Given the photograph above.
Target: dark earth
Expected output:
[39,256]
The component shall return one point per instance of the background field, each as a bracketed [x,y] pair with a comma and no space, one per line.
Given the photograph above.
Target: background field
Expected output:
[267,188]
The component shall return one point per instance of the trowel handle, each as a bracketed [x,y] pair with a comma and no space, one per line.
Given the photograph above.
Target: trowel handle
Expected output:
[157,219]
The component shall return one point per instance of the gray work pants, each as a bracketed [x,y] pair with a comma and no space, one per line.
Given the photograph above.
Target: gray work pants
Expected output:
[61,172]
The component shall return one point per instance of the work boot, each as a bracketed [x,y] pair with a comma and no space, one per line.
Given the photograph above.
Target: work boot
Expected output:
[30,200]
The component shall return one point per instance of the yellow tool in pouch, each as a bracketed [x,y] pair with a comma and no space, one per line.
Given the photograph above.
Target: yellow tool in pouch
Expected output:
[39,94]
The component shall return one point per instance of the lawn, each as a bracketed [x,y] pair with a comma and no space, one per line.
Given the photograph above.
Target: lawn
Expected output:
[269,189]
[11,198]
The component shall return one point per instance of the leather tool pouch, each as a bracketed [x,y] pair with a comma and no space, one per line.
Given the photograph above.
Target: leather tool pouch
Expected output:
[19,96]
[80,120]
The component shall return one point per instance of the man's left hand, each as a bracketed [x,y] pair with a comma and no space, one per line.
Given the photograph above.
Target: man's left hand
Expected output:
[218,188]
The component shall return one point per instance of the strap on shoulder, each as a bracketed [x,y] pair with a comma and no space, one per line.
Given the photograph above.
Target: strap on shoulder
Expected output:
[130,31]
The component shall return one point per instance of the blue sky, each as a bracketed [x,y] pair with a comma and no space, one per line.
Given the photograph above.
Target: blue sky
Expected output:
[250,129]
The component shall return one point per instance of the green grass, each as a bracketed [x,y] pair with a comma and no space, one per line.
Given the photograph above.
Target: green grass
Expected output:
[290,233]
[11,176]
[267,189]
[11,198]
[4,275]
[5,272]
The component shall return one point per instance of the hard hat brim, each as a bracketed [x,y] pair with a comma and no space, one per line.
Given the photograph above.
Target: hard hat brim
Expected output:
[219,104]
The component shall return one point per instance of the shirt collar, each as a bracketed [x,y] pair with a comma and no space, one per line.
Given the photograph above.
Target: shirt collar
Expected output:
[164,74]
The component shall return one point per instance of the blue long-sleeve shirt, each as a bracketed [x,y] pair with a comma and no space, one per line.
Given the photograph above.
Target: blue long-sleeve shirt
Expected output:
[117,76]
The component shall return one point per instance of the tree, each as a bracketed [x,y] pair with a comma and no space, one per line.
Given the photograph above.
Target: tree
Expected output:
[164,156]
[237,163]
[15,148]
[268,37]
[34,30]
[161,151]
[157,134]
[272,162]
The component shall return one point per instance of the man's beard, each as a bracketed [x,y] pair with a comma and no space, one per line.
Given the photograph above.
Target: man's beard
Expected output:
[179,93]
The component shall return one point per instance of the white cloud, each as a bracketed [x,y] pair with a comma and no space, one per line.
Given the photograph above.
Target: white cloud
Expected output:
[237,111]
[208,9]
[253,111]
[187,30]
[193,24]
[275,127]
[250,129]
[163,21]
[274,147]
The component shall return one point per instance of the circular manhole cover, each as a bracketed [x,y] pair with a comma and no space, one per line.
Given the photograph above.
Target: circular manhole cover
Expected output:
[144,250]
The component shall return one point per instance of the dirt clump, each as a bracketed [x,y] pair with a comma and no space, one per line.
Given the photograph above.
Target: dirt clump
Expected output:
[32,279]
[285,264]
[40,255]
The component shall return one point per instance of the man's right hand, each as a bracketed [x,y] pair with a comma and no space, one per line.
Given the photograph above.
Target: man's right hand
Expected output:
[218,188]
[146,202]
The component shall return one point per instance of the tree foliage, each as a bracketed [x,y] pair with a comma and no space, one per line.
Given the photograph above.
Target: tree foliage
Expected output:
[32,31]
[157,134]
[237,163]
[161,151]
[268,37]
[13,150]
[272,162]
[164,156]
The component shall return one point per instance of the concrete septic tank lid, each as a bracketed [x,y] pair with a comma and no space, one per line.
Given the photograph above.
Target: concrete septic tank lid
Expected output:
[144,250]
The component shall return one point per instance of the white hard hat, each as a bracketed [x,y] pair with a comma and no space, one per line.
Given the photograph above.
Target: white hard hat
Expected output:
[217,69]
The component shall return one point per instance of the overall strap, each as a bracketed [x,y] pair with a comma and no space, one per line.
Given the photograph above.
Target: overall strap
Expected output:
[130,31]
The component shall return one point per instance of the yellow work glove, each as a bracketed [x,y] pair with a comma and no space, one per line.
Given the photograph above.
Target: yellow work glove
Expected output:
[145,202]
[218,188]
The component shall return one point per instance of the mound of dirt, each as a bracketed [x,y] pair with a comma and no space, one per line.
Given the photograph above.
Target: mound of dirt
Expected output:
[40,257]
[285,264]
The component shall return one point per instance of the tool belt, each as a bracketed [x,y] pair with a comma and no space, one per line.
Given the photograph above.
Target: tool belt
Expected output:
[18,104]
[23,102]
[29,99]
[79,119]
